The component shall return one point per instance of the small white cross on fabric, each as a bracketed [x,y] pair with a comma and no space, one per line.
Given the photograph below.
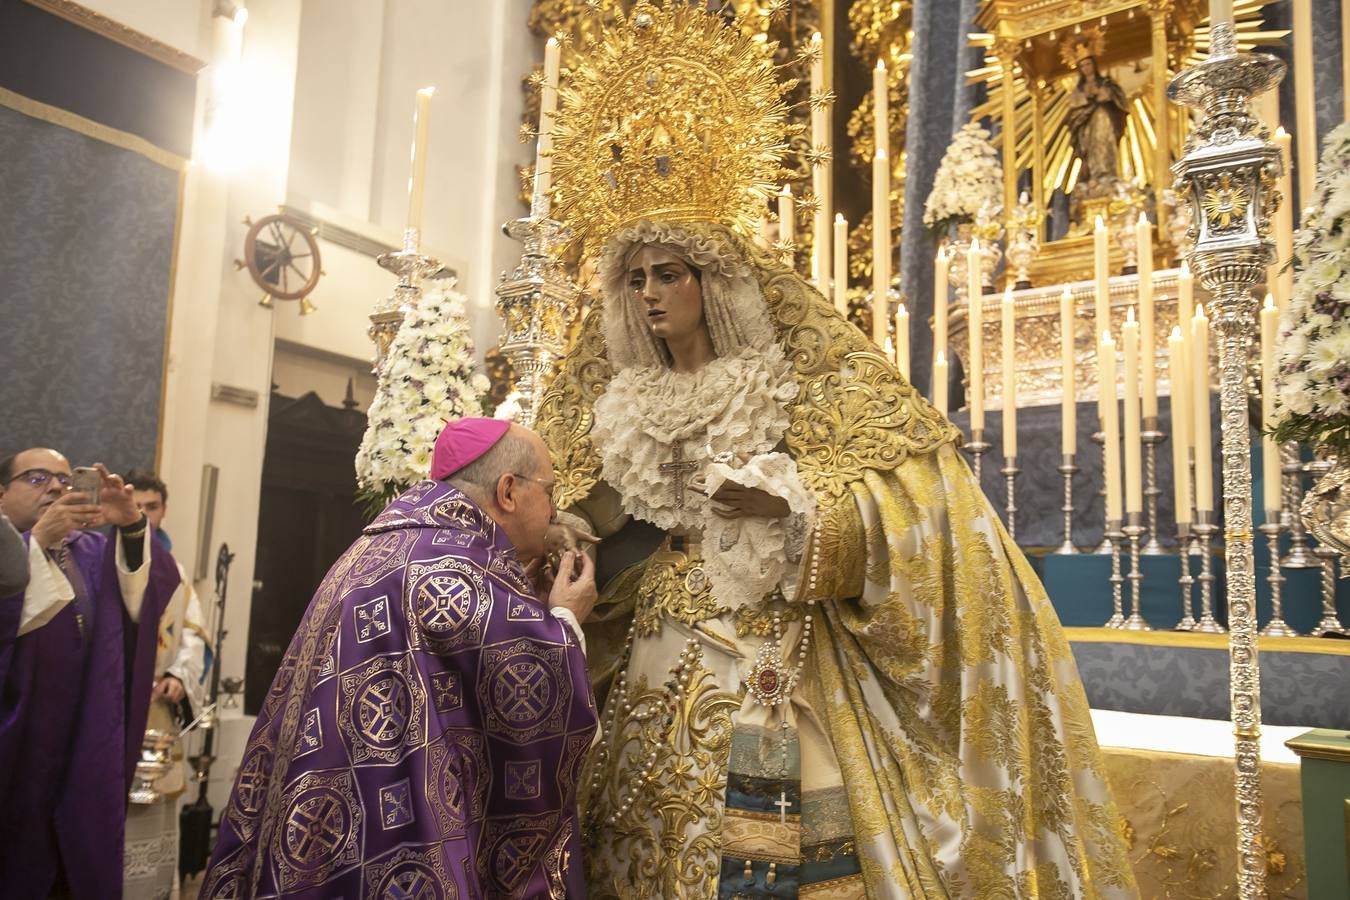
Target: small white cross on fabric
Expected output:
[782,803]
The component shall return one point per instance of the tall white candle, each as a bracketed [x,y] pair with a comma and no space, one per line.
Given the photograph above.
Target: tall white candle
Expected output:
[1134,472]
[940,302]
[787,216]
[1148,353]
[1284,222]
[940,383]
[548,107]
[902,340]
[976,361]
[1203,437]
[1101,272]
[820,141]
[1106,375]
[1220,11]
[1181,426]
[881,105]
[1068,417]
[841,265]
[881,244]
[1008,335]
[1270,451]
[417,181]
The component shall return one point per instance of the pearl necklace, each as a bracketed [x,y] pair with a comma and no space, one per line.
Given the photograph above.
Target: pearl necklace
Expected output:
[767,684]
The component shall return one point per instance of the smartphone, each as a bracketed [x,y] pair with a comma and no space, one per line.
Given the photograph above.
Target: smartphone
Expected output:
[87,481]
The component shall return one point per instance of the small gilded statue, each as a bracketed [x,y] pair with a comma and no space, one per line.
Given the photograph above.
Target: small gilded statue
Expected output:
[1096,115]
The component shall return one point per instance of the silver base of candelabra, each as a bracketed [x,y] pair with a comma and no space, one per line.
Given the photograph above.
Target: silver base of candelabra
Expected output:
[1277,626]
[1152,437]
[978,447]
[1105,547]
[1330,622]
[1205,529]
[1114,537]
[1067,470]
[1010,472]
[1134,529]
[1185,582]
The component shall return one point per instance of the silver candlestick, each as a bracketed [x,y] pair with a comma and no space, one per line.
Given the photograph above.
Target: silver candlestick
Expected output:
[1010,472]
[1228,175]
[1114,537]
[536,303]
[1099,438]
[1134,529]
[1185,582]
[412,268]
[1330,622]
[1067,469]
[1205,529]
[1152,436]
[978,447]
[1291,498]
[1277,626]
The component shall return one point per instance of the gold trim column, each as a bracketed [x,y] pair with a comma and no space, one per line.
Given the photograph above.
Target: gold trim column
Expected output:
[1038,153]
[1162,173]
[1006,52]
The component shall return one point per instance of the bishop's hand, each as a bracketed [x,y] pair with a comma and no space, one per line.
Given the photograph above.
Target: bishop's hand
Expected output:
[115,499]
[574,585]
[561,537]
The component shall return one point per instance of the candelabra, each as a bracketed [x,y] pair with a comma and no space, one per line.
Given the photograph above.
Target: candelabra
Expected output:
[1114,538]
[1277,626]
[978,447]
[1067,469]
[1010,472]
[1099,437]
[1151,436]
[1185,582]
[411,267]
[1204,530]
[1228,175]
[1134,529]
[535,302]
[1291,498]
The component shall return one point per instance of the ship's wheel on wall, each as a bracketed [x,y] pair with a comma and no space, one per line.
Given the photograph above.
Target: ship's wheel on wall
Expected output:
[282,256]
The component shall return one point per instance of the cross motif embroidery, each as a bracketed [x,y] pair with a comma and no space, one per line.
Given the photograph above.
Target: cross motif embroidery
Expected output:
[782,803]
[678,469]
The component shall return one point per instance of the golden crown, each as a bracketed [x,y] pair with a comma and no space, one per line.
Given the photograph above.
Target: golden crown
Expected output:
[1090,42]
[675,116]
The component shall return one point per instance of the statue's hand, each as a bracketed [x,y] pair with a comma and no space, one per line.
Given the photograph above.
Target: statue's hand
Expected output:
[734,501]
[560,538]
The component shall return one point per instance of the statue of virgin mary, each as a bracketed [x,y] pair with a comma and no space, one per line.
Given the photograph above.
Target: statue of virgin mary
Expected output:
[825,669]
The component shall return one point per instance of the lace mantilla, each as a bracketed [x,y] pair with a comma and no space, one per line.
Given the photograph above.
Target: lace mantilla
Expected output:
[736,404]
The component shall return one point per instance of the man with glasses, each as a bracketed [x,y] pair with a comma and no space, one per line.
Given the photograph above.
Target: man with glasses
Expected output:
[75,676]
[428,724]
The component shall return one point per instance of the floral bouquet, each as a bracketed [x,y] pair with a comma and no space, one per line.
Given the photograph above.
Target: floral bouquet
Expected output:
[968,178]
[427,379]
[1313,403]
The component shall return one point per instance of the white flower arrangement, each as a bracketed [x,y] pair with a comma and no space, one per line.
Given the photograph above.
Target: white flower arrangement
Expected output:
[428,378]
[968,178]
[1313,402]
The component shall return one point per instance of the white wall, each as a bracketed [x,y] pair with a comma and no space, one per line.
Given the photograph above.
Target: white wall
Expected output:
[182,24]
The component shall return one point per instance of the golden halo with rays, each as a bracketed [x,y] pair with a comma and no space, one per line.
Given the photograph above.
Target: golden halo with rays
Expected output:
[673,116]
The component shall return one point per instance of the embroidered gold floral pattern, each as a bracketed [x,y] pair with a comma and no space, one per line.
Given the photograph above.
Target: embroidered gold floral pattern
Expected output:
[666,844]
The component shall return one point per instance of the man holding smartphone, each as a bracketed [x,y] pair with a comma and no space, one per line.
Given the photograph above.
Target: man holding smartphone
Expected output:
[75,675]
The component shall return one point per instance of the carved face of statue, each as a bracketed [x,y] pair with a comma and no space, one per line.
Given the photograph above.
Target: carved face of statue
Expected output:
[1087,68]
[670,291]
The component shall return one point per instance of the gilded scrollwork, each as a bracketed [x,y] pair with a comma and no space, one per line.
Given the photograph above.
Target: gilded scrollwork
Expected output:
[667,840]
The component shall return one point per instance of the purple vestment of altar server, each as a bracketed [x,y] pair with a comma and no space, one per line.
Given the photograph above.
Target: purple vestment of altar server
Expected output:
[425,732]
[74,694]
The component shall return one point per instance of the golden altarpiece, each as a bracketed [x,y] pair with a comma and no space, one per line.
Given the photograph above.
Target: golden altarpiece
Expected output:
[1038,56]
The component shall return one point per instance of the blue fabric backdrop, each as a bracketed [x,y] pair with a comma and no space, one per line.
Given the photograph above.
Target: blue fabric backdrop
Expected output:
[86,251]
